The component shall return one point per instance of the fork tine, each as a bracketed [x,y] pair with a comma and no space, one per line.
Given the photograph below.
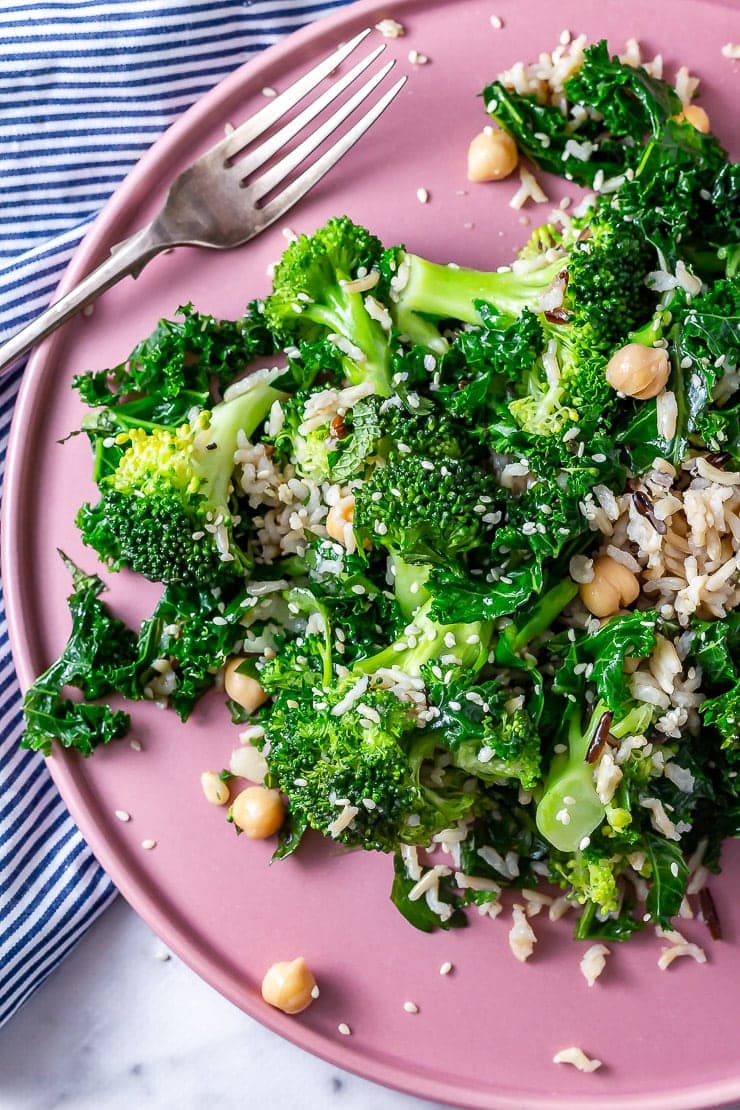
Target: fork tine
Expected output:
[277,173]
[257,157]
[257,124]
[301,185]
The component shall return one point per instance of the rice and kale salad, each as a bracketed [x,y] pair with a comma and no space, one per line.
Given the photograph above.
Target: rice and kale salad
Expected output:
[469,555]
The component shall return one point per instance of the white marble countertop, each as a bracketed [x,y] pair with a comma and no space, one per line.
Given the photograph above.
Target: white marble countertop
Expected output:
[120,1025]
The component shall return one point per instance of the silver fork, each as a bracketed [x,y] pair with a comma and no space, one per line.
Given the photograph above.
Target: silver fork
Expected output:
[215,202]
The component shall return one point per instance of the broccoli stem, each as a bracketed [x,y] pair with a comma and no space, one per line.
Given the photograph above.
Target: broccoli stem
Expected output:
[345,315]
[450,293]
[569,786]
[570,808]
[515,637]
[408,584]
[242,411]
[429,643]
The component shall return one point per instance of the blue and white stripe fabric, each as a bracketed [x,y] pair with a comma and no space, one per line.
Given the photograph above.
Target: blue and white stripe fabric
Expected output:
[86,86]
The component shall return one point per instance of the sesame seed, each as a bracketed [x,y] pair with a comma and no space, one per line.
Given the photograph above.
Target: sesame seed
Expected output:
[269,92]
[162,954]
[122,815]
[315,992]
[496,22]
[411,1007]
[344,1029]
[422,196]
[135,744]
[147,845]
[445,968]
[584,843]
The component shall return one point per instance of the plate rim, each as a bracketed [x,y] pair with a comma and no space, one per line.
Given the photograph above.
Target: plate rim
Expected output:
[63,765]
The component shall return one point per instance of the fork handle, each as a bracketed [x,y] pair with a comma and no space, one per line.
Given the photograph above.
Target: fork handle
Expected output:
[129,257]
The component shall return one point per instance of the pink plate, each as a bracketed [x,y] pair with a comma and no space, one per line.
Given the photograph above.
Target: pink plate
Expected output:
[486,1034]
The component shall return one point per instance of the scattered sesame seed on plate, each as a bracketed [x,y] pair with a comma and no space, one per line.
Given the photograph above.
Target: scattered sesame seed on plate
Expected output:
[315,992]
[422,195]
[147,845]
[122,815]
[162,954]
[411,1007]
[497,22]
[135,744]
[268,91]
[344,1029]
[446,968]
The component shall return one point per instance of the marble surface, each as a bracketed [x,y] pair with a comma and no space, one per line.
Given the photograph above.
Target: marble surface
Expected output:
[121,1025]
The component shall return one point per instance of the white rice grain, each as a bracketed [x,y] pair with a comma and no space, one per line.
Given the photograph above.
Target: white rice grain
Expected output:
[577,1058]
[522,938]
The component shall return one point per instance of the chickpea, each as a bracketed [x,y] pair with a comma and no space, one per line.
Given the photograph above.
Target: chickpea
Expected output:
[612,587]
[696,116]
[242,688]
[638,371]
[258,812]
[338,517]
[215,789]
[492,155]
[289,986]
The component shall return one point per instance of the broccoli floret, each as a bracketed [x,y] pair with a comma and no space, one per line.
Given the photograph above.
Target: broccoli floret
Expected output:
[375,429]
[592,880]
[358,740]
[499,746]
[165,507]
[552,375]
[327,758]
[313,299]
[425,511]
[604,299]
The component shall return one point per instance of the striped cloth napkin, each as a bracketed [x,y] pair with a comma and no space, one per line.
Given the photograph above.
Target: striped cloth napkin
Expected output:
[85,87]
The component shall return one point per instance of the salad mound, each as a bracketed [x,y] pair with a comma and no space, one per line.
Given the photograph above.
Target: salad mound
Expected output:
[470,553]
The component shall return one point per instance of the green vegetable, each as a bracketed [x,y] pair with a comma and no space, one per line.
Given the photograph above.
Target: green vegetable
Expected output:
[393,561]
[165,509]
[99,648]
[312,299]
